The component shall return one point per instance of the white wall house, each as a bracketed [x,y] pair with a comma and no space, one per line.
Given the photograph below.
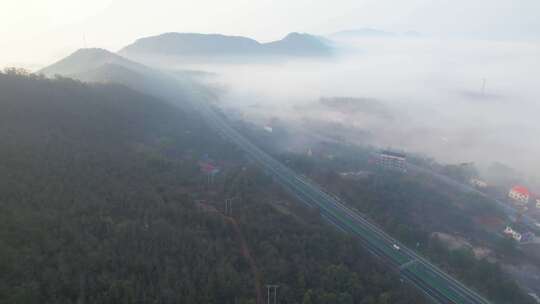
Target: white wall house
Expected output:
[478,183]
[514,234]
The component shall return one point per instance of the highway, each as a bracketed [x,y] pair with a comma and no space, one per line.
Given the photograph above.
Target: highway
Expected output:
[429,279]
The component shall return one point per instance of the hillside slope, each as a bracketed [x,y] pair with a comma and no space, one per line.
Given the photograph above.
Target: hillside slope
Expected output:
[102,66]
[99,203]
[89,59]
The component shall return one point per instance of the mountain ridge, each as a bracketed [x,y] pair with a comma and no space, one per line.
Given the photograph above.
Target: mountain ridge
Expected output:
[195,44]
[87,59]
[103,66]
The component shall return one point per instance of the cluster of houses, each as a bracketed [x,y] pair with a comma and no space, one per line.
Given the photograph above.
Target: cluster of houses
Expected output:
[513,233]
[521,198]
[518,235]
[478,183]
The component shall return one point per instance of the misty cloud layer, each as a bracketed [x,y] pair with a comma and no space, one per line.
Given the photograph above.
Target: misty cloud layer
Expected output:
[434,90]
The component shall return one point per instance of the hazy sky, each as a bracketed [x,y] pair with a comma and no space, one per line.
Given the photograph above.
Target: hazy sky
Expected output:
[38,31]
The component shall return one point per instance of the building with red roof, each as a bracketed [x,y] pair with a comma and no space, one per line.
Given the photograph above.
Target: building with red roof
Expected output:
[520,195]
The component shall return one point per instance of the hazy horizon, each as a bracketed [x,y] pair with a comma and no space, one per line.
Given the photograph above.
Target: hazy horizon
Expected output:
[433,89]
[433,81]
[36,33]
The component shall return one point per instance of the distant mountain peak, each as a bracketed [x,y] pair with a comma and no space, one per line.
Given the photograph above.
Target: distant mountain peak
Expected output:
[102,66]
[296,35]
[191,44]
[92,51]
[84,60]
[93,54]
[215,45]
[299,44]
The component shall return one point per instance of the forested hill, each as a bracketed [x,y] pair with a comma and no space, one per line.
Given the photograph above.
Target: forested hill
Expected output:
[102,66]
[89,210]
[102,201]
[88,59]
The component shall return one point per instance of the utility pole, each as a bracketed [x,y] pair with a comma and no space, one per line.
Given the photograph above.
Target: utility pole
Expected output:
[228,205]
[270,287]
[483,87]
[211,178]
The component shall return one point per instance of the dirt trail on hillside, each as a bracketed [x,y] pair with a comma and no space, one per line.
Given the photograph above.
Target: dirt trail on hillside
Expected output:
[244,248]
[246,253]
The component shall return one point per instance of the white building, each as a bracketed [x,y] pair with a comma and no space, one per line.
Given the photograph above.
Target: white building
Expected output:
[520,195]
[393,160]
[538,203]
[356,175]
[478,183]
[514,234]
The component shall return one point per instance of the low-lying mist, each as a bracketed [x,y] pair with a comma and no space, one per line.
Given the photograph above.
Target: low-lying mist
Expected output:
[456,101]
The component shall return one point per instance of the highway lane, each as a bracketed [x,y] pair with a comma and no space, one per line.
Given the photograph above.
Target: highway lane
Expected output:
[453,288]
[435,283]
[403,256]
[411,255]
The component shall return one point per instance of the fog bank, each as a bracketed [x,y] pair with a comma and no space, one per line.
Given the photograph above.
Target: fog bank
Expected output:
[455,100]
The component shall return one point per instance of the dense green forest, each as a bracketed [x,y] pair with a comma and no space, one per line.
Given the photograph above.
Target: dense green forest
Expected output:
[102,201]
